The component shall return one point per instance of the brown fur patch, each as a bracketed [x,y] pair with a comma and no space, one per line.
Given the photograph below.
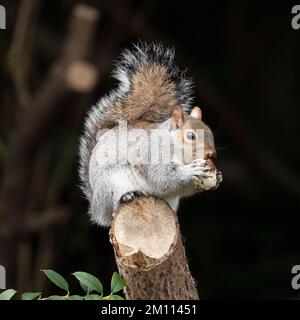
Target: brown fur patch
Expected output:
[152,97]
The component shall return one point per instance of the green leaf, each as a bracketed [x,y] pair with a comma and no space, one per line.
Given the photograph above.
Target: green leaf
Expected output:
[116,297]
[84,287]
[74,297]
[117,283]
[7,294]
[57,279]
[56,298]
[92,297]
[89,281]
[31,295]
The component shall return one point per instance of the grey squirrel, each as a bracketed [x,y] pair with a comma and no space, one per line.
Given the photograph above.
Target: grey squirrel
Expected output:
[152,94]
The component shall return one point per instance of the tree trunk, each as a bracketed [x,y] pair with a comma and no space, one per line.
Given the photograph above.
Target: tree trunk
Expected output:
[149,251]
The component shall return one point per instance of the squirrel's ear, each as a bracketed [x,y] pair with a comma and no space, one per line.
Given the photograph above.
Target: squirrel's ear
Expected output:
[177,118]
[196,113]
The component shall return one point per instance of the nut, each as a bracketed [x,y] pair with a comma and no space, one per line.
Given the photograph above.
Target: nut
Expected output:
[206,183]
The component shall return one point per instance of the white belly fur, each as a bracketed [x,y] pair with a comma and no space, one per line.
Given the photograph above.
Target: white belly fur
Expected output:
[141,185]
[128,180]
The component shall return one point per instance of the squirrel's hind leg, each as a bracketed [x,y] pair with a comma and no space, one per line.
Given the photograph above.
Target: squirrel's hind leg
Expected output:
[125,188]
[101,204]
[101,207]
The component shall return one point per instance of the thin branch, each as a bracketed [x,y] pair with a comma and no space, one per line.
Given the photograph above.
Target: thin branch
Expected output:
[36,222]
[27,11]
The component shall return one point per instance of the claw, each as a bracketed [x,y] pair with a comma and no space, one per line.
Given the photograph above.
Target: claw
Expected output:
[198,163]
[130,196]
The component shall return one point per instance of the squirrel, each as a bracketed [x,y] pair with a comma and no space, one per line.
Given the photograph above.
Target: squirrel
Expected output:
[153,94]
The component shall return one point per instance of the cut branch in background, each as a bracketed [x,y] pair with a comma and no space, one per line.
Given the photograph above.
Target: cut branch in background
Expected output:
[82,28]
[20,50]
[31,130]
[37,222]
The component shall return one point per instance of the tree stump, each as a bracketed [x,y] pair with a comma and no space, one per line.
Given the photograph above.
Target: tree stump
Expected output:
[149,252]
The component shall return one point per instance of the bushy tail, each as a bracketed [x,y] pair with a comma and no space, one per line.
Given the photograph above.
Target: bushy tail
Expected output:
[150,88]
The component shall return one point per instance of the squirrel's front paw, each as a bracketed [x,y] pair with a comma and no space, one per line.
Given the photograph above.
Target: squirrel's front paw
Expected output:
[205,176]
[197,169]
[130,196]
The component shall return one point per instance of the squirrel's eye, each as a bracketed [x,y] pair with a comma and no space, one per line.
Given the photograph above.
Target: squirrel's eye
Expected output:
[190,136]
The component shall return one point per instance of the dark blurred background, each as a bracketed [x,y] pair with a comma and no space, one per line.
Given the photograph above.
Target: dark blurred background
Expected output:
[56,59]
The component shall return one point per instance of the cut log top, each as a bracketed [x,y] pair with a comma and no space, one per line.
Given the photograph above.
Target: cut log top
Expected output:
[149,252]
[144,233]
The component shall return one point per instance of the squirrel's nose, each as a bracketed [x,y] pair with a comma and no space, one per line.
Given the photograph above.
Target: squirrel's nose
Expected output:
[210,154]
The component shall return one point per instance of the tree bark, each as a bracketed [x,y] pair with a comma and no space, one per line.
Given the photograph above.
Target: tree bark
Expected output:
[149,252]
